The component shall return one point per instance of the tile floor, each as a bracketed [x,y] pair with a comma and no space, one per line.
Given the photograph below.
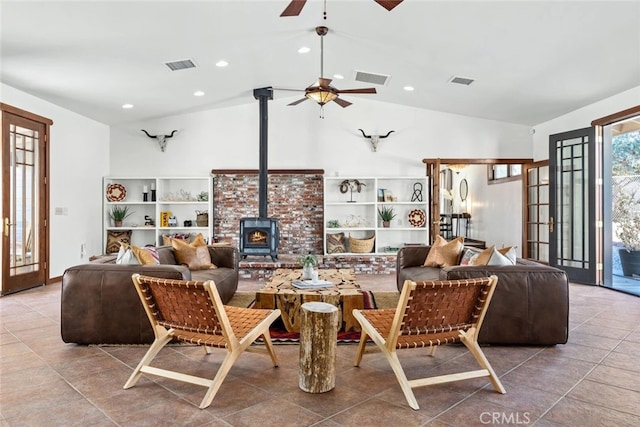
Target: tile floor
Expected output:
[593,380]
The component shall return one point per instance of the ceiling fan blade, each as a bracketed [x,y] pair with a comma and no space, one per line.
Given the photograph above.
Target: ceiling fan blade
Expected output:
[294,8]
[297,102]
[363,90]
[388,4]
[342,102]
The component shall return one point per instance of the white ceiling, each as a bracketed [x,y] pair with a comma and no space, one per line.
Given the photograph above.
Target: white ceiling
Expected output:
[532,61]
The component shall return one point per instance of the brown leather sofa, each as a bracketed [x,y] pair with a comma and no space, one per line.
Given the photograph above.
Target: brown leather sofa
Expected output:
[530,305]
[100,304]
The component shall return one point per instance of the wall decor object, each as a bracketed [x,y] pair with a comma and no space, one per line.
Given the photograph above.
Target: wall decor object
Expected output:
[350,185]
[162,139]
[464,190]
[375,139]
[417,218]
[417,192]
[116,192]
[164,218]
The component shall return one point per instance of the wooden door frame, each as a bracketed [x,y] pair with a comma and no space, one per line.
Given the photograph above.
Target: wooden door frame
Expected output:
[46,196]
[433,172]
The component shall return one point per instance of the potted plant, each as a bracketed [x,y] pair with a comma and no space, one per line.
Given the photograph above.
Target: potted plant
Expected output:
[626,216]
[308,262]
[386,215]
[118,214]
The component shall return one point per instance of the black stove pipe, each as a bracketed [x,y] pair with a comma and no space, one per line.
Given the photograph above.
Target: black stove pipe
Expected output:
[263,95]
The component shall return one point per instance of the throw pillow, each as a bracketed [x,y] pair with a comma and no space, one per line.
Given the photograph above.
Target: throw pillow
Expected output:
[336,243]
[126,255]
[147,255]
[199,240]
[114,238]
[443,253]
[510,253]
[483,257]
[467,254]
[194,257]
[187,237]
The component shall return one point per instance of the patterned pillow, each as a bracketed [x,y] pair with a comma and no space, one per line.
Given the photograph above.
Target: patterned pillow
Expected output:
[468,253]
[443,253]
[114,238]
[336,243]
[510,253]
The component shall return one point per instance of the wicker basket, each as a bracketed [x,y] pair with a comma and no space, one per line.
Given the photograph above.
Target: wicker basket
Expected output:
[361,246]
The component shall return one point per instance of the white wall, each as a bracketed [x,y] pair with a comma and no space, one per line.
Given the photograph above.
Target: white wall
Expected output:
[79,158]
[581,118]
[496,210]
[298,138]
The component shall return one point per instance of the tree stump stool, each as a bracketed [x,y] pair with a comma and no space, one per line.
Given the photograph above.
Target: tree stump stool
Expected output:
[318,343]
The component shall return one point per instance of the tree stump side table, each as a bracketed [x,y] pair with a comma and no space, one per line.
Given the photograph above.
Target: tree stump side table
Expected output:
[318,343]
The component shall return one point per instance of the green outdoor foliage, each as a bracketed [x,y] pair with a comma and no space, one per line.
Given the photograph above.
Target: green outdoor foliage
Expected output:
[625,154]
[626,214]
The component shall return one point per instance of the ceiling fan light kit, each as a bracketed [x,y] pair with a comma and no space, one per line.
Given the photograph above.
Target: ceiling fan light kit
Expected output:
[322,92]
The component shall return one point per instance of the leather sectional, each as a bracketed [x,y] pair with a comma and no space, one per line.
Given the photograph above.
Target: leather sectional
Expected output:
[100,304]
[530,305]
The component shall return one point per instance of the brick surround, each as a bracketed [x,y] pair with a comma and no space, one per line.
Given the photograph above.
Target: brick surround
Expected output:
[296,199]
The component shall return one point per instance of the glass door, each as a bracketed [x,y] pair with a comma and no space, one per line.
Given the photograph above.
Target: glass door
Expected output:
[24,202]
[537,222]
[573,237]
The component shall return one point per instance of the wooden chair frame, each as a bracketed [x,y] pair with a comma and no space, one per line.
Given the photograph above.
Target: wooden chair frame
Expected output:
[430,314]
[193,312]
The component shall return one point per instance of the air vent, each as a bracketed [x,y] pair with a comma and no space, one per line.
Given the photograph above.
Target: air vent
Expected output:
[376,79]
[461,80]
[180,65]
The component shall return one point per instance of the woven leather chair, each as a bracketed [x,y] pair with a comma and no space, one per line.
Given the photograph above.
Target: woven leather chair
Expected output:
[192,312]
[430,314]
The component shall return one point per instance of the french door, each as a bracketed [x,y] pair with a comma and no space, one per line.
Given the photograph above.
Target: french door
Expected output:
[536,222]
[572,195]
[24,199]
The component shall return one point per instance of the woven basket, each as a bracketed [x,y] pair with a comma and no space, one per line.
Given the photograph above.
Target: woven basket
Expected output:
[361,246]
[202,219]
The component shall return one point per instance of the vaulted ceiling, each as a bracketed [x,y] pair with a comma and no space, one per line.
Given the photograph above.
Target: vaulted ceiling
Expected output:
[531,61]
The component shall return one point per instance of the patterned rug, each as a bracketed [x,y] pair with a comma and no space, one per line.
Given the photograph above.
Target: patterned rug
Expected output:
[280,335]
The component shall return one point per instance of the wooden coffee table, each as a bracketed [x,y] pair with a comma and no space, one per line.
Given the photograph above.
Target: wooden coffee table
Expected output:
[345,294]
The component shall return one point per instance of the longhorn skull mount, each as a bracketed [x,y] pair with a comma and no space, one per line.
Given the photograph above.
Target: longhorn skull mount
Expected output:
[374,139]
[162,139]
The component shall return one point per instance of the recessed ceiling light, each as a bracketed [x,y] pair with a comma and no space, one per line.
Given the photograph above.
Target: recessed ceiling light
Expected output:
[338,76]
[304,49]
[222,63]
[127,106]
[198,93]
[409,88]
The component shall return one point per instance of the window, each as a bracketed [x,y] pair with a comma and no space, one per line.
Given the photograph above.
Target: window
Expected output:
[503,173]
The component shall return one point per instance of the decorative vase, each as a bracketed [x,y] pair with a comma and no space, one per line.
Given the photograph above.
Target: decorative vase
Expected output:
[307,272]
[385,224]
[117,223]
[630,262]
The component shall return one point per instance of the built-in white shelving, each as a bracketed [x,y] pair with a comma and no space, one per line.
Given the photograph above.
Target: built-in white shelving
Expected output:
[184,197]
[357,212]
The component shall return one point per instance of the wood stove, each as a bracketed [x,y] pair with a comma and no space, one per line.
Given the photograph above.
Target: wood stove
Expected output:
[260,236]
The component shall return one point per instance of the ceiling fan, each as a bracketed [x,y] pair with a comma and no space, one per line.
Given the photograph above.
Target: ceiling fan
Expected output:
[322,92]
[295,7]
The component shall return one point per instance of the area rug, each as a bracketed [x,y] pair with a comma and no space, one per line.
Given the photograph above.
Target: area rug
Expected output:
[372,299]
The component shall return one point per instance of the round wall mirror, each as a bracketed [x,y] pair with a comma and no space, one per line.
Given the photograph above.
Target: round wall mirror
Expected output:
[464,190]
